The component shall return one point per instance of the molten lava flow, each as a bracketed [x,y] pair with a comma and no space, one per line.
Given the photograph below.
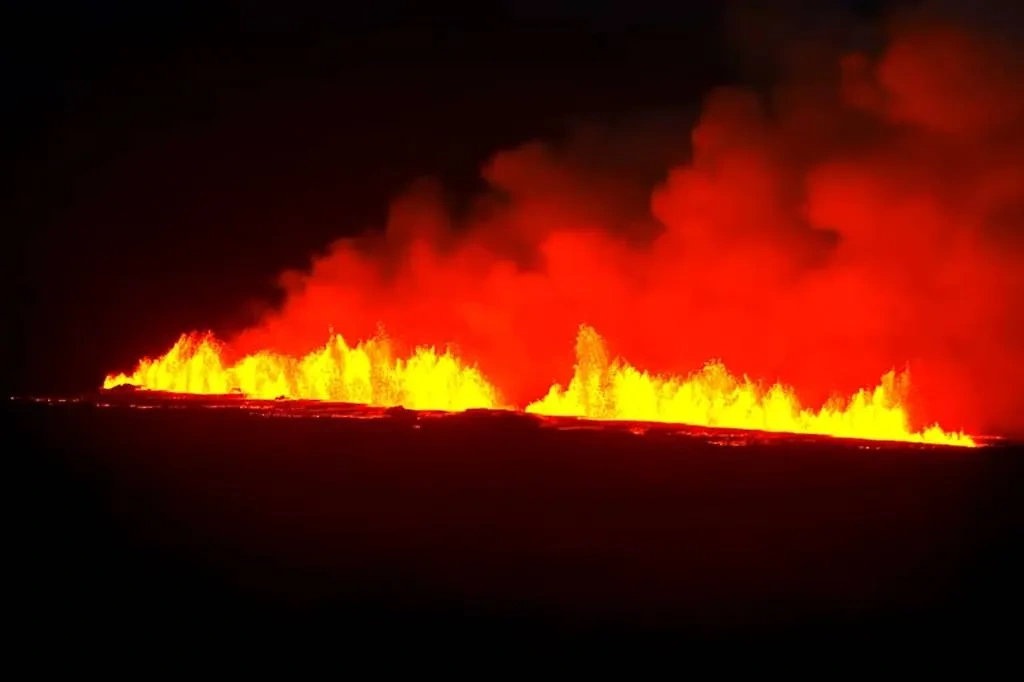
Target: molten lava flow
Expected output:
[602,388]
[367,374]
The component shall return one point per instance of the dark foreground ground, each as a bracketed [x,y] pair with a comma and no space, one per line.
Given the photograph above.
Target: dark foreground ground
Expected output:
[482,526]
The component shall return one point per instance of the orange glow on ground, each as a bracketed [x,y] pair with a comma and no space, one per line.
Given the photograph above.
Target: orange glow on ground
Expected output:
[602,388]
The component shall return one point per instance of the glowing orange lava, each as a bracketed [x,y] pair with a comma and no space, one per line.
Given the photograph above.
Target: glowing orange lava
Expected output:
[602,388]
[367,373]
[606,388]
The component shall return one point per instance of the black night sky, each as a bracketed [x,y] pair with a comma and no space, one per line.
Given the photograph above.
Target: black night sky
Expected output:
[169,161]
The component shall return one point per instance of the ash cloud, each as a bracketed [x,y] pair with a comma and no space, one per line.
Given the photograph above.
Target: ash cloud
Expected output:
[865,214]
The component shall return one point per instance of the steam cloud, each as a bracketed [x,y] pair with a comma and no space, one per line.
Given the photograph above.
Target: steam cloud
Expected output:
[866,215]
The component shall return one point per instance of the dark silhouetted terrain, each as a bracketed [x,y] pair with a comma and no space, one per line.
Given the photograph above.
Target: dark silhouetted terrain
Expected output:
[239,520]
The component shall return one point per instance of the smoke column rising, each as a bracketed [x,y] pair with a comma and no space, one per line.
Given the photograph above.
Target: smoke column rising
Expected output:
[864,216]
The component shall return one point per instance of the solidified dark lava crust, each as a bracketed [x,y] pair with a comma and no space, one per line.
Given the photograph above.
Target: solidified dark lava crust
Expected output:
[155,508]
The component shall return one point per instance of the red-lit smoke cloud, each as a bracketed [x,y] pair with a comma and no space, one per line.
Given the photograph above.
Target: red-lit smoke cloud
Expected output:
[843,226]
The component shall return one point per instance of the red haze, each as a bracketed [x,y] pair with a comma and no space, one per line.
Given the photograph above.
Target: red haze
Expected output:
[822,236]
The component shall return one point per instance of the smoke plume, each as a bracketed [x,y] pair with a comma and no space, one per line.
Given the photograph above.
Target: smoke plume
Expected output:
[862,215]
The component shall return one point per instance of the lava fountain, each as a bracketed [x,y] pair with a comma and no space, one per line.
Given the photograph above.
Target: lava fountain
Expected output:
[601,388]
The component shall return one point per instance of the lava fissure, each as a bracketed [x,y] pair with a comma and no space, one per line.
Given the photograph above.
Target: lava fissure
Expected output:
[602,388]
